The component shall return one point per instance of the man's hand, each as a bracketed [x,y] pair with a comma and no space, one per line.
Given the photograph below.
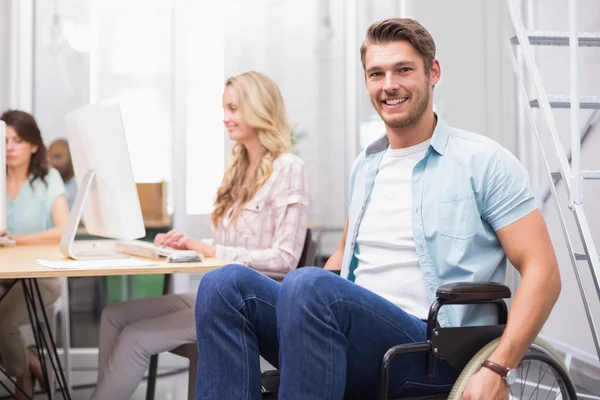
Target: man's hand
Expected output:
[486,385]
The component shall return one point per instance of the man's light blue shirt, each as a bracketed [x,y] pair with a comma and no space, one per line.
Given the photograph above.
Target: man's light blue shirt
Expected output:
[71,188]
[464,189]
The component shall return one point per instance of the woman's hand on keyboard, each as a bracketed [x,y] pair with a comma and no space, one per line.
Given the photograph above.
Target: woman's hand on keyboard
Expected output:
[177,240]
[207,250]
[171,239]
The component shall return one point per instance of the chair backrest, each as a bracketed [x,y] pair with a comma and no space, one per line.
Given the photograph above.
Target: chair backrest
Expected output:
[309,251]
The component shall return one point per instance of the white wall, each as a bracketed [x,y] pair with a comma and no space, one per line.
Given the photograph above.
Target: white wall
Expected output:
[4,55]
[476,89]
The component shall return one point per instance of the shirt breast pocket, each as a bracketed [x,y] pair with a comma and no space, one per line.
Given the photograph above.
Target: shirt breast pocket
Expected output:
[459,216]
[252,218]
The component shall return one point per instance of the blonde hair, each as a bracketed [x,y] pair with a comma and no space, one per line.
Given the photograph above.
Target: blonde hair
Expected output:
[262,108]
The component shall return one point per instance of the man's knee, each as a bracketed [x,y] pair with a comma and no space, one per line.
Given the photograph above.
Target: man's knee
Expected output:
[222,284]
[305,283]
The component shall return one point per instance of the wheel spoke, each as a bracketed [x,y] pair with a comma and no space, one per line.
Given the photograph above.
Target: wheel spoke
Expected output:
[527,375]
[550,391]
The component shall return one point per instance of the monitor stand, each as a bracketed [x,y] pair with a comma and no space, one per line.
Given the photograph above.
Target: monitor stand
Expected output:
[68,237]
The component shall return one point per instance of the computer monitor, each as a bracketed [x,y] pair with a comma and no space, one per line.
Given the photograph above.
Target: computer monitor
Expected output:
[2,176]
[107,195]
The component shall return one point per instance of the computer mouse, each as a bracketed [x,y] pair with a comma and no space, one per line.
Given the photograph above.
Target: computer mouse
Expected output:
[185,256]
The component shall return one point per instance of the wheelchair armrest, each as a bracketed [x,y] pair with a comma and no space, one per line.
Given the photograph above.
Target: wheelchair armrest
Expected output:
[472,292]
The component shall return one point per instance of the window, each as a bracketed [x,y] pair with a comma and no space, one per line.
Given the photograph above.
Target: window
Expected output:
[205,82]
[132,62]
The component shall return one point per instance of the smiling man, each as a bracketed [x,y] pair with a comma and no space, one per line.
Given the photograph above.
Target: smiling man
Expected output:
[430,205]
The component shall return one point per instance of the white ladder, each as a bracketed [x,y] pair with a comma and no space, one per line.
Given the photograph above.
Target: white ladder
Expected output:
[572,175]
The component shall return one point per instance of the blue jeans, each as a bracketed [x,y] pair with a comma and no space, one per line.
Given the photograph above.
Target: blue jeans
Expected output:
[325,334]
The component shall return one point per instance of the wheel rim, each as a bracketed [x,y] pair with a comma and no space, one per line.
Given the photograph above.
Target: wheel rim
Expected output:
[541,378]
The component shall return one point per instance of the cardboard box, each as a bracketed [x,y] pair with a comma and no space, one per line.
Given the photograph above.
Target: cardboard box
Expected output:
[153,201]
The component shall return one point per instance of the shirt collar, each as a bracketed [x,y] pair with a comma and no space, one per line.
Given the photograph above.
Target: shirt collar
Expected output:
[439,140]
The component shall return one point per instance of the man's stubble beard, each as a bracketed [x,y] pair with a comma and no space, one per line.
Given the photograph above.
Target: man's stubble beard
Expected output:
[414,117]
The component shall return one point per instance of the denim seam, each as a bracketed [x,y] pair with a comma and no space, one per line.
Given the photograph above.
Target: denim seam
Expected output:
[244,299]
[244,337]
[247,363]
[330,375]
[400,328]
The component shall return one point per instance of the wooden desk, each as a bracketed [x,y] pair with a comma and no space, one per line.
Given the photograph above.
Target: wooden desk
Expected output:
[20,262]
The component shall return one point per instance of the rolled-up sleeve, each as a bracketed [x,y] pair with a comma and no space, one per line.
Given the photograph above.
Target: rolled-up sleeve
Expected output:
[508,196]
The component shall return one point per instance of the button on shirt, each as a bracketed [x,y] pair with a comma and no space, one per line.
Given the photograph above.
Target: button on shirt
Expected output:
[31,210]
[464,189]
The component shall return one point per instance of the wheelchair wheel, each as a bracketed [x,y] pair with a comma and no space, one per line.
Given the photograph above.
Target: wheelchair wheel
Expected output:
[540,373]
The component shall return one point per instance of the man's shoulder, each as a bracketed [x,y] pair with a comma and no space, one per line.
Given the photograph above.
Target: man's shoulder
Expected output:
[462,140]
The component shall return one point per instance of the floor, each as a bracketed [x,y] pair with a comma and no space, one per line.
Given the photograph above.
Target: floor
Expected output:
[170,387]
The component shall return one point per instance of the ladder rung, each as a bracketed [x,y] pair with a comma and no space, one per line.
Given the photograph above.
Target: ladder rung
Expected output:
[590,174]
[584,174]
[560,38]
[581,256]
[562,101]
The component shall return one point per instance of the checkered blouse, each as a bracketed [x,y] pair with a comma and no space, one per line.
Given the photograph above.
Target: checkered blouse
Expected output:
[269,233]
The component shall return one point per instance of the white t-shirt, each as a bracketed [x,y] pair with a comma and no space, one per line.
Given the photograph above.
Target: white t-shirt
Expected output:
[387,260]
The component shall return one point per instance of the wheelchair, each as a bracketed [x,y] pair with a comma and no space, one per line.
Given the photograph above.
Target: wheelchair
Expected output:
[541,373]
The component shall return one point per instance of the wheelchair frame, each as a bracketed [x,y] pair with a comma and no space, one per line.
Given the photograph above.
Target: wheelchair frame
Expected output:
[456,346]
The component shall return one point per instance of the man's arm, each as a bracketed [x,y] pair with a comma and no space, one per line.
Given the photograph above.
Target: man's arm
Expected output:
[527,245]
[335,261]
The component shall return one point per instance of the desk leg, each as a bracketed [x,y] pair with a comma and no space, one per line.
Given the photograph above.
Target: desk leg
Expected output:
[44,340]
[124,286]
[29,294]
[153,370]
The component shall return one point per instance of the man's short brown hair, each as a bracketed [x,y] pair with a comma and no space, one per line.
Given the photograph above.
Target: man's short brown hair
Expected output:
[396,29]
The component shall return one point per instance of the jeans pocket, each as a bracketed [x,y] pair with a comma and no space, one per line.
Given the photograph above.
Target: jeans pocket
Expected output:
[411,389]
[459,216]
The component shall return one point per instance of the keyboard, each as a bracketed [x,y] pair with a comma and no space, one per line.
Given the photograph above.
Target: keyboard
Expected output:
[6,242]
[149,250]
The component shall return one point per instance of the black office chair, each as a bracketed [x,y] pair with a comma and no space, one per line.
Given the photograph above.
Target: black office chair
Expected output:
[190,350]
[309,251]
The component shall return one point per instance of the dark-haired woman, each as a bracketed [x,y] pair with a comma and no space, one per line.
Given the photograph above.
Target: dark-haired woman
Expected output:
[37,212]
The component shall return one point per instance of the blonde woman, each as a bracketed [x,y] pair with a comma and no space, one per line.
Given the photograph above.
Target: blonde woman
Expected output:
[260,220]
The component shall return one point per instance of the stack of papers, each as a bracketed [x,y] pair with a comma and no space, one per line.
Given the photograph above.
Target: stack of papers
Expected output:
[96,264]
